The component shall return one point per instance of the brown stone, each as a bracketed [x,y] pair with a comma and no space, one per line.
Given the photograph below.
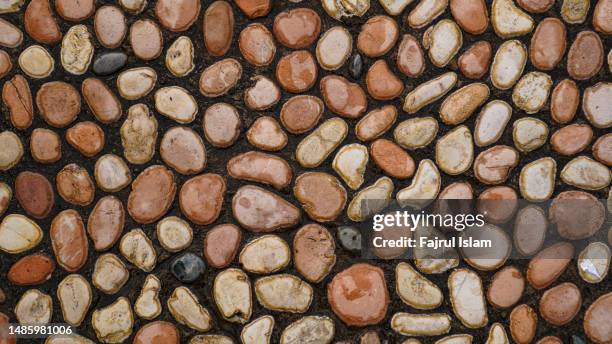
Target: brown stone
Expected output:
[321,195]
[105,222]
[5,64]
[498,204]
[602,16]
[157,332]
[506,288]
[585,56]
[343,97]
[376,123]
[175,15]
[45,146]
[536,6]
[382,83]
[564,101]
[571,139]
[297,28]
[10,35]
[260,210]
[34,193]
[101,100]
[471,15]
[474,62]
[257,44]
[221,125]
[75,10]
[31,270]
[254,8]
[6,338]
[17,96]
[40,24]
[494,165]
[183,149]
[110,26]
[392,159]
[297,71]
[559,305]
[301,113]
[597,325]
[221,244]
[87,137]
[377,36]
[550,340]
[146,39]
[549,264]
[410,59]
[602,149]
[219,78]
[69,240]
[266,134]
[548,44]
[313,252]
[75,186]
[59,103]
[201,198]
[523,324]
[152,194]
[218,27]
[358,295]
[260,167]
[577,214]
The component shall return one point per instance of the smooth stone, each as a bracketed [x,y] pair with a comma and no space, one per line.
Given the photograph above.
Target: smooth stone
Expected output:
[498,204]
[187,310]
[10,35]
[394,7]
[548,44]
[461,104]
[176,103]
[258,331]
[596,106]
[571,139]
[266,134]
[157,332]
[67,339]
[550,263]
[102,102]
[69,241]
[428,92]
[12,150]
[334,48]
[284,293]
[75,11]
[523,324]
[6,194]
[179,57]
[410,59]
[221,125]
[443,41]
[602,18]
[474,62]
[34,194]
[343,97]
[86,137]
[467,298]
[536,6]
[313,252]
[494,165]
[112,174]
[211,339]
[256,44]
[350,163]
[424,187]
[602,149]
[109,63]
[77,50]
[183,149]
[177,16]
[152,194]
[596,319]
[506,288]
[136,83]
[350,238]
[265,254]
[219,78]
[560,304]
[113,323]
[105,222]
[59,103]
[564,101]
[585,56]
[392,159]
[45,146]
[425,12]
[508,64]
[321,195]
[110,274]
[139,134]
[110,26]
[409,324]
[531,92]
[498,335]
[416,290]
[174,234]
[381,83]
[356,66]
[296,72]
[455,151]
[529,134]
[74,185]
[470,15]
[537,179]
[187,268]
[431,261]
[136,247]
[40,23]
[301,113]
[508,20]
[34,308]
[10,6]
[586,173]
[31,270]
[375,123]
[221,244]
[259,210]
[36,62]
[263,95]
[147,305]
[319,144]
[254,8]
[377,36]
[218,25]
[530,228]
[260,167]
[345,8]
[491,122]
[297,28]
[416,132]
[133,6]
[17,97]
[74,294]
[201,198]
[575,11]
[232,294]
[309,329]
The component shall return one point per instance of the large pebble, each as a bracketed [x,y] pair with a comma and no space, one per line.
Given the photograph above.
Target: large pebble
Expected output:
[531,92]
[491,122]
[157,331]
[564,101]
[113,323]
[75,11]
[257,45]
[392,159]
[602,149]
[467,298]
[31,270]
[265,254]
[266,134]
[376,123]
[221,125]
[596,319]
[410,59]
[263,95]
[494,165]
[424,187]
[112,173]
[74,185]
[548,44]
[45,146]
[377,197]
[110,274]
[455,151]
[220,77]
[474,62]
[601,17]
[297,28]
[596,106]
[74,294]
[201,198]
[585,56]
[59,103]
[284,293]
[221,244]
[77,50]
[101,100]
[416,132]
[313,252]
[537,179]
[152,194]
[461,104]
[110,26]
[16,95]
[571,139]
[259,210]
[136,83]
[560,304]
[12,150]
[174,234]
[530,228]
[549,264]
[147,305]
[334,48]
[409,324]
[179,57]
[296,72]
[442,41]
[343,97]
[586,173]
[34,308]
[321,195]
[309,329]
[377,36]
[415,289]
[218,27]
[40,23]
[105,222]
[260,167]
[470,15]
[350,163]
[34,193]
[317,146]
[428,92]
[69,241]
[506,288]
[177,16]
[529,134]
[232,294]
[508,20]
[183,149]
[86,137]
[11,35]
[425,12]
[301,113]
[137,248]
[382,83]
[187,310]
[176,103]
[508,64]
[523,324]
[258,331]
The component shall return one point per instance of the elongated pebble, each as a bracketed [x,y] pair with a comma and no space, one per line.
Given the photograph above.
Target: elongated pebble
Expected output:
[491,122]
[284,293]
[74,294]
[309,329]
[442,41]
[508,64]
[467,298]
[409,324]
[428,92]
[147,305]
[187,310]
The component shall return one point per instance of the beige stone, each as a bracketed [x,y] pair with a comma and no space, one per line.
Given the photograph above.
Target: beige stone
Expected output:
[284,293]
[113,323]
[232,294]
[77,50]
[74,294]
[147,305]
[265,254]
[110,274]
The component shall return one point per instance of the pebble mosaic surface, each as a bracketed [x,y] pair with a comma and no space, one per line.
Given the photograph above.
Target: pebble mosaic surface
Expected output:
[191,171]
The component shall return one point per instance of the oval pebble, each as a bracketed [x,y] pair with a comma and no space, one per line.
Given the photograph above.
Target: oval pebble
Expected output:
[219,78]
[110,274]
[16,95]
[523,324]
[152,194]
[506,288]
[110,26]
[560,304]
[531,92]
[601,17]
[508,20]
[313,252]
[179,57]
[317,146]
[86,137]
[564,101]
[284,293]
[176,103]
[343,97]
[467,298]
[187,310]
[549,264]
[6,194]
[460,105]
[321,195]
[34,308]
[595,105]
[133,6]
[570,209]
[491,122]
[377,36]
[575,11]
[136,247]
[301,113]
[266,134]
[45,146]
[77,49]
[183,149]
[585,56]
[136,83]
[313,329]
[408,324]
[112,173]
[443,41]
[602,149]
[376,123]
[257,45]
[260,167]
[596,324]
[105,222]
[508,64]
[470,15]
[530,228]
[174,234]
[69,241]
[12,150]
[297,28]
[139,134]
[232,294]
[259,210]
[12,36]
[109,326]
[254,9]
[416,290]
[494,165]
[334,48]
[410,59]
[498,335]
[34,193]
[59,103]
[75,10]
[31,270]
[109,63]
[296,72]
[187,268]
[74,185]
[428,92]
[392,159]
[201,198]
[265,254]
[74,295]
[101,100]
[177,16]
[537,179]
[529,134]
[221,125]
[416,132]
[474,62]
[425,12]
[221,244]
[218,27]
[162,331]
[571,139]
[586,173]
[40,23]
[548,44]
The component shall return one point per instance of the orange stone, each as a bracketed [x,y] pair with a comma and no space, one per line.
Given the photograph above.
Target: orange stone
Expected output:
[101,101]
[571,139]
[201,198]
[585,56]
[602,16]
[523,324]
[559,305]
[297,72]
[297,28]
[87,137]
[549,264]
[5,64]
[548,44]
[40,24]
[602,149]
[597,325]
[59,103]
[498,204]
[221,244]
[536,6]
[257,44]
[313,252]
[506,288]
[254,8]
[75,10]
[110,26]
[410,59]
[377,36]
[392,159]
[75,186]
[105,222]
[218,27]
[146,39]
[31,270]
[343,97]
[177,15]
[301,113]
[69,240]
[471,15]
[45,146]
[382,83]
[152,194]
[157,332]
[17,96]
[564,101]
[474,62]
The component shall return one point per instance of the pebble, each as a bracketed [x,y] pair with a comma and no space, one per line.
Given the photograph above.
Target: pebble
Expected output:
[260,167]
[110,26]
[218,28]
[187,268]
[34,308]
[506,288]
[585,56]
[265,254]
[392,159]
[34,193]
[221,125]
[146,39]
[602,149]
[113,323]
[596,106]
[219,78]
[176,103]
[139,134]
[559,305]
[133,6]
[531,92]
[443,41]
[67,339]
[157,331]
[174,234]
[470,15]
[498,204]
[529,134]
[59,103]
[523,324]
[36,62]
[12,150]
[491,122]
[297,71]
[350,163]
[313,252]
[187,310]
[201,198]
[297,28]
[266,134]
[10,6]
[259,210]
[564,101]
[232,294]
[110,274]
[536,6]
[508,20]
[112,173]
[17,97]
[586,173]
[6,195]
[211,339]
[416,290]
[356,66]
[301,113]
[257,45]
[375,123]
[508,64]
[467,298]
[461,104]
[455,151]
[377,36]
[409,324]
[179,57]
[494,165]
[147,305]
[530,229]
[416,132]
[321,195]
[381,83]
[425,12]
[428,92]
[45,146]
[358,295]
[537,179]
[101,100]
[69,240]
[221,244]
[319,144]
[258,331]
[550,263]
[334,48]
[425,186]
[575,11]
[284,293]
[549,340]
[11,35]
[345,8]
[74,295]
[350,238]
[31,270]
[410,59]
[136,83]
[571,139]
[77,50]
[86,137]
[109,63]
[548,44]
[601,17]
[74,185]
[152,194]
[596,319]
[183,149]
[75,11]
[309,329]
[177,16]
[474,62]
[394,7]
[263,95]
[40,24]
[498,335]
[254,8]
[343,97]
[136,247]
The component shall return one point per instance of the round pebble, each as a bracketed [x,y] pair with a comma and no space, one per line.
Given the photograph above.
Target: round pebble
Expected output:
[232,294]
[564,101]
[73,10]
[263,95]
[297,28]
[74,294]
[523,324]
[508,64]
[136,83]
[221,244]
[393,160]
[86,137]
[443,41]
[506,288]
[265,254]
[221,125]
[284,293]
[74,185]
[201,198]
[254,8]
[321,195]
[596,324]
[112,173]
[474,62]
[110,274]
[529,134]
[549,264]
[187,268]
[334,48]
[179,57]
[34,308]
[108,326]
[266,134]
[34,193]
[257,45]
[174,234]
[377,36]
[301,113]
[530,229]
[350,238]
[559,305]
[595,105]
[508,20]
[296,72]
[470,15]
[182,149]
[110,26]
[18,234]
[410,59]
[157,331]
[36,62]
[219,78]
[152,194]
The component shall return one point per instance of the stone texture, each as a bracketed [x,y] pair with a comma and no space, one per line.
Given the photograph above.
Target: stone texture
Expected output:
[74,185]
[321,195]
[218,27]
[110,26]
[34,193]
[221,244]
[297,28]
[297,71]
[259,210]
[40,24]
[382,83]
[301,113]
[470,15]
[16,95]
[87,137]
[201,198]
[146,39]
[58,103]
[152,194]
[221,125]
[343,97]
[69,241]
[377,36]
[585,56]
[313,252]
[177,16]
[31,270]
[102,102]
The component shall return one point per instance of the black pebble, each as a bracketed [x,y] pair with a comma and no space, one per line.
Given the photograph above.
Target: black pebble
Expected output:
[109,63]
[187,268]
[356,66]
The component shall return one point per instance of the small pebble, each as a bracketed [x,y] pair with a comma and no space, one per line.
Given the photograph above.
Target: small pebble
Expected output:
[461,104]
[31,270]
[74,294]
[467,298]
[424,187]
[602,149]
[416,132]
[392,159]
[109,326]
[75,11]
[530,229]
[508,20]
[109,63]
[537,179]
[571,139]
[11,35]
[265,254]
[179,57]
[350,163]
[161,331]
[110,274]
[254,8]
[146,39]
[470,15]
[177,16]
[350,238]
[36,62]
[548,44]
[493,166]
[221,125]
[381,83]
[319,144]
[232,294]
[110,27]
[86,137]
[443,41]
[564,101]
[263,95]
[12,150]
[575,11]
[375,123]
[16,95]
[297,71]
[313,252]
[586,173]
[559,305]
[301,113]
[147,305]
[491,122]
[201,198]
[6,194]
[77,50]
[508,64]
[59,103]
[601,17]
[343,97]
[529,134]
[410,59]
[260,210]
[266,134]
[34,193]
[474,62]
[531,92]
[34,308]
[74,185]
[498,204]
[377,36]
[176,103]
[550,263]
[506,288]
[136,83]
[356,66]
[133,6]
[183,149]
[596,319]
[45,146]
[136,247]
[257,45]
[221,244]
[174,234]
[585,56]
[523,324]
[40,23]
[595,105]
[112,173]
[455,151]
[334,48]
[416,290]
[258,330]
[187,268]
[219,78]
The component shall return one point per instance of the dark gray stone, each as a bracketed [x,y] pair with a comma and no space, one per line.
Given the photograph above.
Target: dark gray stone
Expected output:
[356,66]
[187,268]
[109,63]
